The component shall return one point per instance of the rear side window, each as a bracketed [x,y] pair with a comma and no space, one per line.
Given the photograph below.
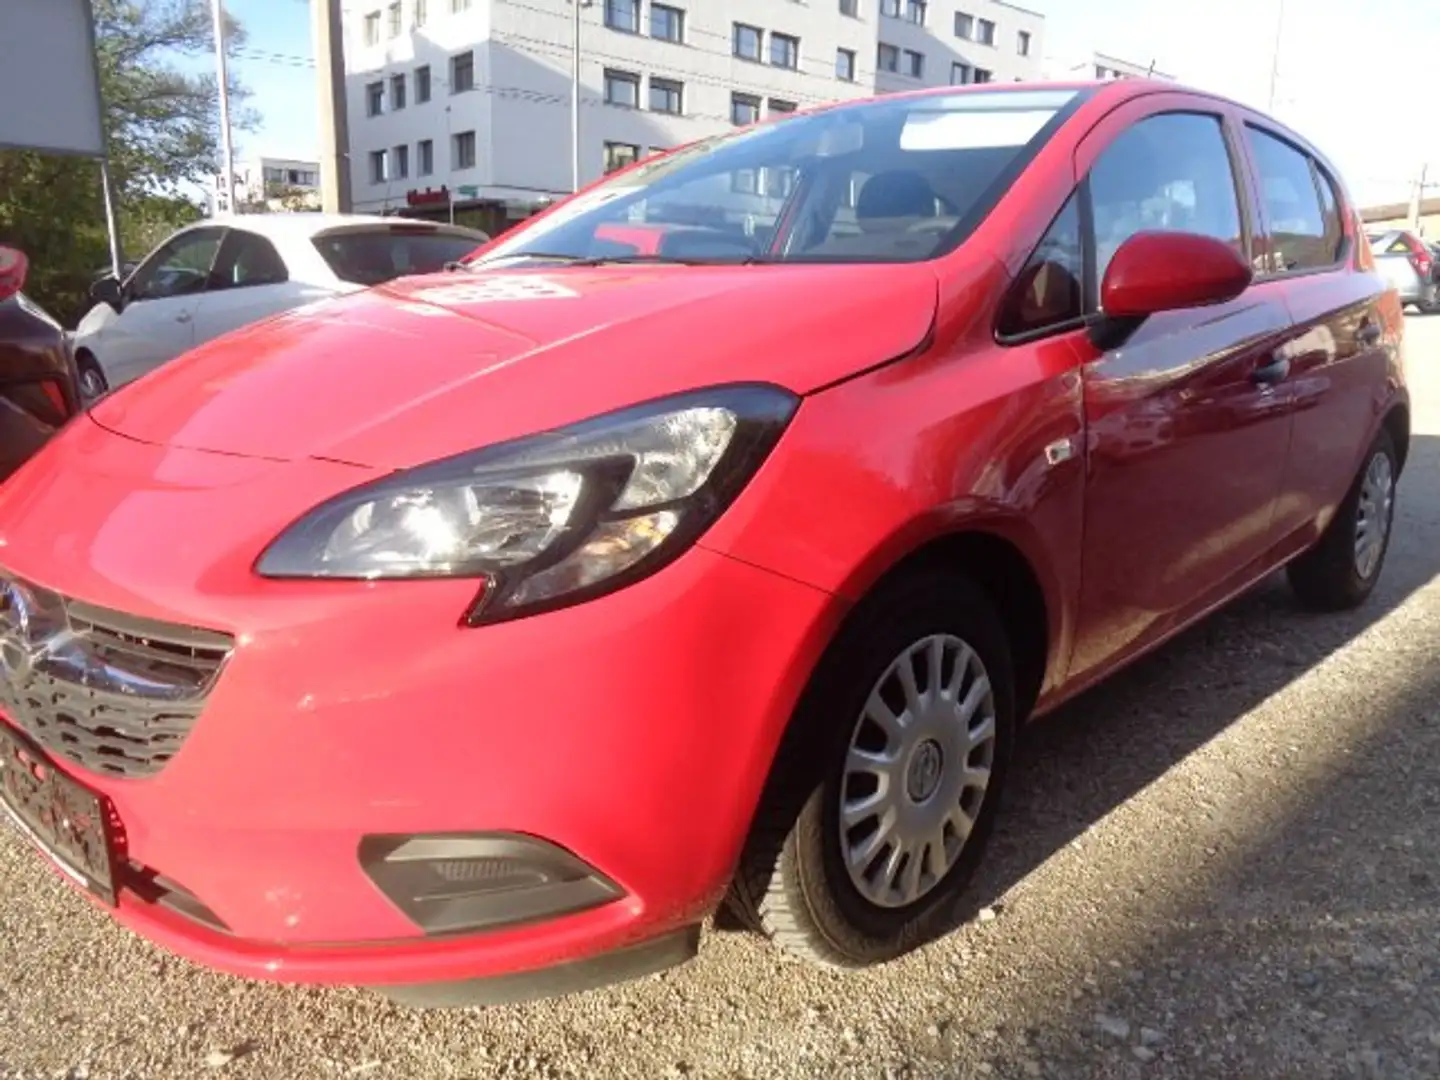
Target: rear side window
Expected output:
[375,256]
[1300,237]
[1170,171]
[1048,292]
[1330,210]
[247,260]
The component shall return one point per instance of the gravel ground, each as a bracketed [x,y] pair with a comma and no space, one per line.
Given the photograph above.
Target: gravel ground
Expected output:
[1222,864]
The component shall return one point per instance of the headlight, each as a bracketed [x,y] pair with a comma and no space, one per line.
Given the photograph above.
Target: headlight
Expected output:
[551,519]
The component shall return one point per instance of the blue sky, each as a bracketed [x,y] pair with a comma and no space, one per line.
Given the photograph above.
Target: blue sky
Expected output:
[1357,78]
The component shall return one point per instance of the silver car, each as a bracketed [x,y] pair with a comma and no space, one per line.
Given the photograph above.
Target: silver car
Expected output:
[1411,265]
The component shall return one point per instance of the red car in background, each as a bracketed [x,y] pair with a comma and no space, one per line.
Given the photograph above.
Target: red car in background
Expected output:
[472,637]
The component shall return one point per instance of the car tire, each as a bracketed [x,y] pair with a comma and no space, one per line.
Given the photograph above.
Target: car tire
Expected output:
[793,883]
[1341,570]
[93,384]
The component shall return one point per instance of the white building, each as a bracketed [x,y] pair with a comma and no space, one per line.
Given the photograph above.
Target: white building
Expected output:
[277,183]
[1099,65]
[469,100]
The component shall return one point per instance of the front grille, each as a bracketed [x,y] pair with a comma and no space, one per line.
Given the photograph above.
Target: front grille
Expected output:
[111,693]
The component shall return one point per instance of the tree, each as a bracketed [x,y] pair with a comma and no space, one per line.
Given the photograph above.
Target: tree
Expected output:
[162,131]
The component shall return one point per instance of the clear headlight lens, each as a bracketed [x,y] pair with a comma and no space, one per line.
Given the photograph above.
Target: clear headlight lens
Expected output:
[551,519]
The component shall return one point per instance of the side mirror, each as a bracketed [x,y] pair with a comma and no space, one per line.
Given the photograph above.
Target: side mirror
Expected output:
[1169,271]
[107,291]
[14,267]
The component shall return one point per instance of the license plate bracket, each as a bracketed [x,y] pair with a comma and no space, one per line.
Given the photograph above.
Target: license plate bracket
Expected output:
[65,819]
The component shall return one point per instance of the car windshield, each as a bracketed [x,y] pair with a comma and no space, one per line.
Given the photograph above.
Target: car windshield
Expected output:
[894,180]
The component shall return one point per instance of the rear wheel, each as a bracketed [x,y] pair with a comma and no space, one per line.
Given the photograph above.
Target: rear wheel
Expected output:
[1341,570]
[93,385]
[884,797]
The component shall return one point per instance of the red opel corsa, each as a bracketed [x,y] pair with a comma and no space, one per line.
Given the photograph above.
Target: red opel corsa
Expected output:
[473,637]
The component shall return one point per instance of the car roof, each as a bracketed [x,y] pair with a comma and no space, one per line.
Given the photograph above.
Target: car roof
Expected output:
[305,224]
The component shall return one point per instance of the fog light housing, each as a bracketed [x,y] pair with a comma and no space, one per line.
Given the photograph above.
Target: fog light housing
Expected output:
[457,883]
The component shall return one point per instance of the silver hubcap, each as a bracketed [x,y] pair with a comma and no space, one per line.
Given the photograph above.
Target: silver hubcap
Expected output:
[916,771]
[1372,521]
[91,385]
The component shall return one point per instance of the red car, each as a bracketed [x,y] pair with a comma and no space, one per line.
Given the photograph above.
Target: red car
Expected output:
[475,636]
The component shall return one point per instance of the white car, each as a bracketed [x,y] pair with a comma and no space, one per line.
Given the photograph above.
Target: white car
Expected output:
[224,273]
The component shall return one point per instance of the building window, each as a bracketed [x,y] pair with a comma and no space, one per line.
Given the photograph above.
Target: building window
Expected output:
[784,51]
[462,73]
[747,41]
[667,96]
[1022,42]
[622,88]
[915,12]
[850,7]
[744,109]
[377,166]
[372,28]
[914,64]
[422,84]
[984,32]
[780,108]
[421,14]
[425,157]
[845,65]
[623,15]
[887,58]
[961,74]
[400,156]
[393,22]
[964,26]
[374,98]
[619,155]
[667,23]
[462,151]
[983,76]
[890,8]
[397,91]
[459,5]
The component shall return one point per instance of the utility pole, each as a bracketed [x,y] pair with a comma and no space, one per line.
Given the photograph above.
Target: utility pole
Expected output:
[217,11]
[1275,53]
[575,103]
[1417,198]
[328,26]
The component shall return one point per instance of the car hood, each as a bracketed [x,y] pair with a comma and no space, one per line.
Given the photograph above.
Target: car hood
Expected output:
[425,367]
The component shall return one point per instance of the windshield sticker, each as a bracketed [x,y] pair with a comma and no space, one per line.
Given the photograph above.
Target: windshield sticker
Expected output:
[971,130]
[496,288]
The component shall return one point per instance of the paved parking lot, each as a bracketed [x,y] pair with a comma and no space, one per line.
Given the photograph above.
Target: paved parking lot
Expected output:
[1225,863]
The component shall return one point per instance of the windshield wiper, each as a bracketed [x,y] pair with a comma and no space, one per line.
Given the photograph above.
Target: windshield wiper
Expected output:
[614,260]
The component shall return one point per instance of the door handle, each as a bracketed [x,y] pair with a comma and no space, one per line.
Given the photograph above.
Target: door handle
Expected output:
[1271,372]
[1369,333]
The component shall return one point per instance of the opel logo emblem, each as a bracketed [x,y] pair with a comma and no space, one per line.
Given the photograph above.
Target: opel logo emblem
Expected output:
[924,772]
[17,631]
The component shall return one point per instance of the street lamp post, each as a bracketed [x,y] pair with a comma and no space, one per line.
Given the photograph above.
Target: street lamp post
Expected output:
[217,11]
[1275,53]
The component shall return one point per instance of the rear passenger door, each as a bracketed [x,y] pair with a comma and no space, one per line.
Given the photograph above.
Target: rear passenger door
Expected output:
[1306,239]
[1188,427]
[249,282]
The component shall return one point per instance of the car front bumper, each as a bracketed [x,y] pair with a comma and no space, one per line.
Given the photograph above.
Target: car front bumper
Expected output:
[633,732]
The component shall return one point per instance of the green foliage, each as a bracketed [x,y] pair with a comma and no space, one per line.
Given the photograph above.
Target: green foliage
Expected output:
[162,129]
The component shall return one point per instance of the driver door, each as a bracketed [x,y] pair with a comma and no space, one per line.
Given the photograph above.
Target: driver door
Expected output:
[157,323]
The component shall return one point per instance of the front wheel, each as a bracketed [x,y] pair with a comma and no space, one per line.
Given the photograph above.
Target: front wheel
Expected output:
[885,794]
[1341,570]
[93,385]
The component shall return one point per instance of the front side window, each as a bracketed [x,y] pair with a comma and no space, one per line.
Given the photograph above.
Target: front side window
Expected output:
[179,268]
[1299,236]
[1171,172]
[1048,293]
[895,179]
[747,41]
[623,15]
